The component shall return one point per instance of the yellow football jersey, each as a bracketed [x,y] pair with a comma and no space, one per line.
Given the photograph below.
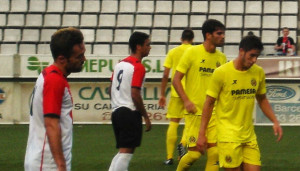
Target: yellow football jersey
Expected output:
[172,60]
[236,91]
[198,65]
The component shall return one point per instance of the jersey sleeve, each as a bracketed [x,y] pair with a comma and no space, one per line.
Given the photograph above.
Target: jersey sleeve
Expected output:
[53,92]
[215,84]
[262,83]
[185,62]
[138,76]
[168,61]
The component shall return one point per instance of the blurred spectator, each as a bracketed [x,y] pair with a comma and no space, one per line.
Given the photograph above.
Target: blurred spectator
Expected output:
[285,45]
[250,33]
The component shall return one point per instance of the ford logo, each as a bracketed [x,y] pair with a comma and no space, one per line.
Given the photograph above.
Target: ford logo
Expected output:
[280,93]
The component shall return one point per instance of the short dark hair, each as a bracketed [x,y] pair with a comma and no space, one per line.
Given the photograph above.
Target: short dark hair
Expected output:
[187,34]
[137,38]
[251,42]
[211,25]
[63,41]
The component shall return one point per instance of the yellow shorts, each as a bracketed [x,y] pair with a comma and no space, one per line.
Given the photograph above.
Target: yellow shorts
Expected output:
[192,126]
[175,108]
[232,154]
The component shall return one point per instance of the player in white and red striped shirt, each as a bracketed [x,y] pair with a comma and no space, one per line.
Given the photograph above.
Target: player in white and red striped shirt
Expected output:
[51,123]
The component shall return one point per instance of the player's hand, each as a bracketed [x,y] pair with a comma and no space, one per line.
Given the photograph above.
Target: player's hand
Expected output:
[190,107]
[277,131]
[162,101]
[148,124]
[202,144]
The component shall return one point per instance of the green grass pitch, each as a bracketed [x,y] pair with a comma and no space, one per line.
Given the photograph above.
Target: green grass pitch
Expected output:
[94,147]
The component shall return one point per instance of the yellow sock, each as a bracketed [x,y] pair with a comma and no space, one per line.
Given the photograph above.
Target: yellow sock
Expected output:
[183,138]
[212,163]
[171,138]
[188,160]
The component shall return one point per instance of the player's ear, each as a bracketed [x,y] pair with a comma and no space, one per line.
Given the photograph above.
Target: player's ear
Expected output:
[61,59]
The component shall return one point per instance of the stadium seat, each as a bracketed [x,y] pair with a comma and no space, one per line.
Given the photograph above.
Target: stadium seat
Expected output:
[252,21]
[200,6]
[288,21]
[143,20]
[161,21]
[122,35]
[231,51]
[4,5]
[235,7]
[196,21]
[18,6]
[12,35]
[43,48]
[55,6]
[289,7]
[179,21]
[34,20]
[270,21]
[104,35]
[198,37]
[46,34]
[0,35]
[91,6]
[145,6]
[37,6]
[8,49]
[2,19]
[217,17]
[69,20]
[181,7]
[271,7]
[73,6]
[125,20]
[217,7]
[27,49]
[293,34]
[102,49]
[159,35]
[171,47]
[120,49]
[89,35]
[158,50]
[109,7]
[107,20]
[234,21]
[269,36]
[52,20]
[31,35]
[88,49]
[175,36]
[253,7]
[15,20]
[268,50]
[163,7]
[127,6]
[88,20]
[233,36]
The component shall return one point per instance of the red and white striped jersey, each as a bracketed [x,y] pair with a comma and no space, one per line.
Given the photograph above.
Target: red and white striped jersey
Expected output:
[51,96]
[127,74]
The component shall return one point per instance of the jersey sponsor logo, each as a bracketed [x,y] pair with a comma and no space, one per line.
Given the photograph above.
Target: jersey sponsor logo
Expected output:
[243,91]
[204,69]
[278,93]
[35,65]
[2,96]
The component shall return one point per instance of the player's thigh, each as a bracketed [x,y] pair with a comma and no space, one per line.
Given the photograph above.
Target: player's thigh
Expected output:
[175,108]
[230,154]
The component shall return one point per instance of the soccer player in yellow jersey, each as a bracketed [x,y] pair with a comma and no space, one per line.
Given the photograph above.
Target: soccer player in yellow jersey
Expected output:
[197,65]
[175,107]
[236,85]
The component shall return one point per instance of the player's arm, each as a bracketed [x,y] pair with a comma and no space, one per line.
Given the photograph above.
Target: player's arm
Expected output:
[164,81]
[138,102]
[53,132]
[267,110]
[190,107]
[206,115]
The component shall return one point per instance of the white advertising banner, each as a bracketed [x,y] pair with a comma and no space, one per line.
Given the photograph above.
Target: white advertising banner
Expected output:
[285,101]
[92,103]
[94,67]
[6,103]
[6,66]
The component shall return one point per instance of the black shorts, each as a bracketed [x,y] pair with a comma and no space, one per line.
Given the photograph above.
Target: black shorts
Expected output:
[127,125]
